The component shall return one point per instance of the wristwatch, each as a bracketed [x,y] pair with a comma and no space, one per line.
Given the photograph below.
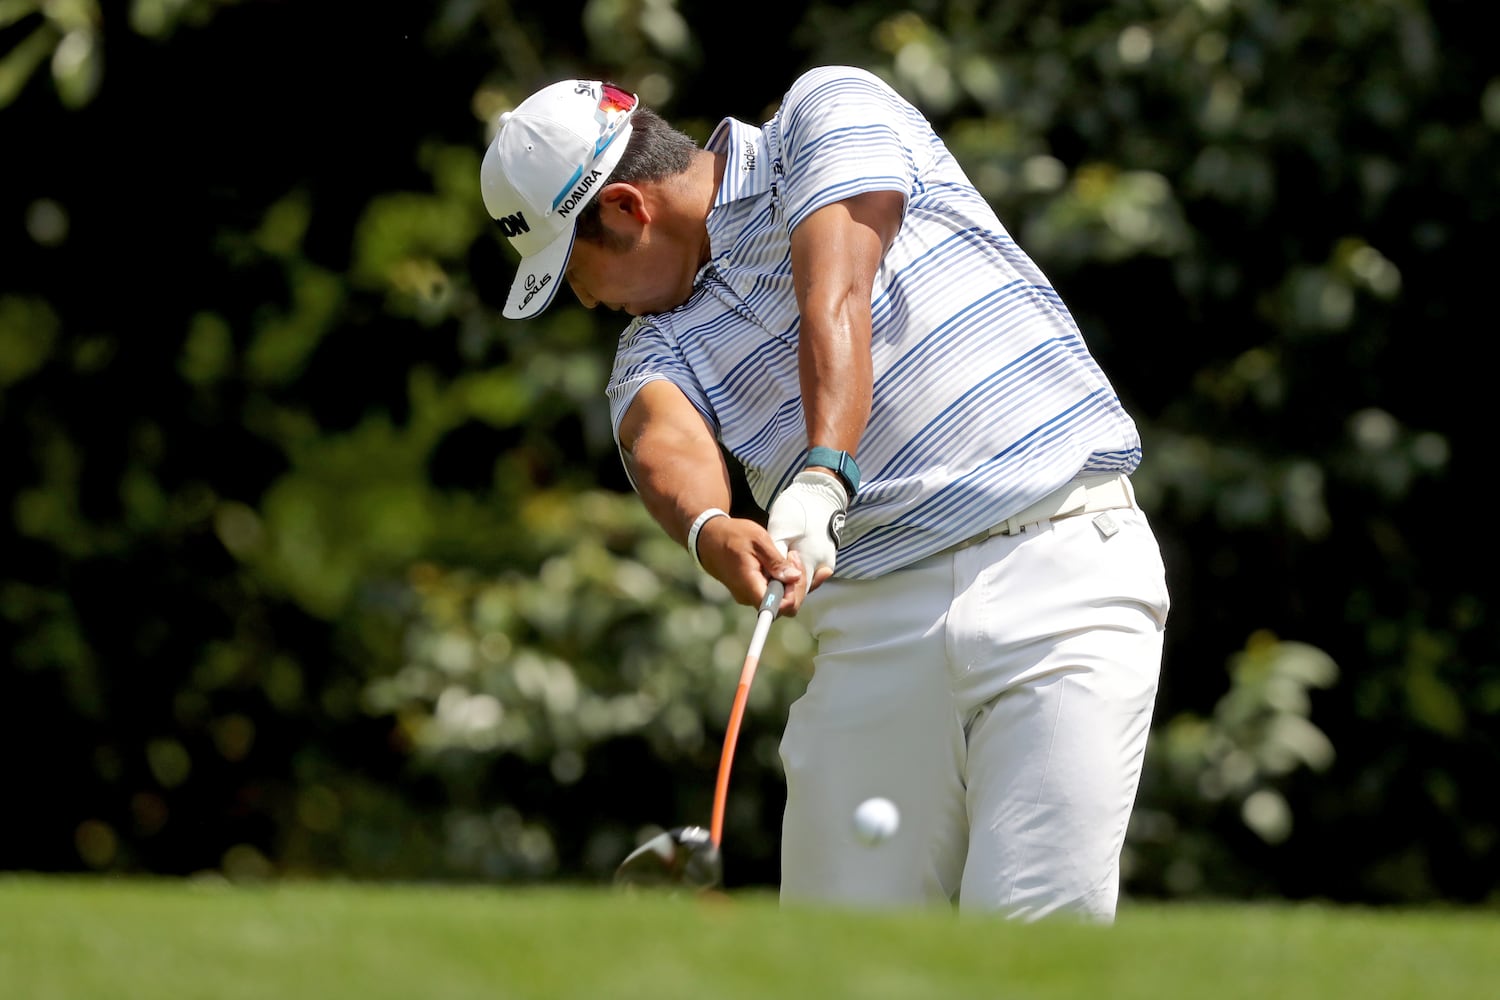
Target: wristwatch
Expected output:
[841,462]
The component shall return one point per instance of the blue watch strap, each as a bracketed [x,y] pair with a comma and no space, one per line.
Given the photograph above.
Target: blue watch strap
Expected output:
[841,462]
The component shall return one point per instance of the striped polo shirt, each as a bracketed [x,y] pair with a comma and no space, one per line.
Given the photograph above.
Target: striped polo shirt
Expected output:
[986,398]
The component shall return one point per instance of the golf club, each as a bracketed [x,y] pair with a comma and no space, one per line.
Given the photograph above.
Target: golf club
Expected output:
[689,855]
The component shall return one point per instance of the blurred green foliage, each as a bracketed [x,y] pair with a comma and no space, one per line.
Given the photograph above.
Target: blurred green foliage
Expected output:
[312,563]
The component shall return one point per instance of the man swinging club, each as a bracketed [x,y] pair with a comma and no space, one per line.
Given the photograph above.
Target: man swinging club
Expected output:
[944,466]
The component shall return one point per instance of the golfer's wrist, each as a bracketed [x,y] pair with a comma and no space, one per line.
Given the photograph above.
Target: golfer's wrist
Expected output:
[839,464]
[833,477]
[696,529]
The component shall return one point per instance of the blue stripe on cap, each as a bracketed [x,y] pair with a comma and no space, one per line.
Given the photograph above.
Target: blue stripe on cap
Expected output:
[577,176]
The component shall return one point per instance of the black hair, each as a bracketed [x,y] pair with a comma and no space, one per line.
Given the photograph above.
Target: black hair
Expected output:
[655,151]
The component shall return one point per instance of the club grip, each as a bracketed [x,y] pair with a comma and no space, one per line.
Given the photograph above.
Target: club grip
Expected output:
[772,601]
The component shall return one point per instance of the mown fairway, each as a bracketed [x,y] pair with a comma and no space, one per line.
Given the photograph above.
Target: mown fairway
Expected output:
[180,940]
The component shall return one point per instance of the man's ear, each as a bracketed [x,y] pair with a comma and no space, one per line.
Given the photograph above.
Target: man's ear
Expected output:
[620,202]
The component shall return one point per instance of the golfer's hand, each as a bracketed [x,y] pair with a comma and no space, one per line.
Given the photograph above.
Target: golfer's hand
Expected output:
[807,518]
[739,553]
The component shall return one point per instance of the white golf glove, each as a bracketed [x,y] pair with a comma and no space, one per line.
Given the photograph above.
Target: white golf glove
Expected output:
[808,516]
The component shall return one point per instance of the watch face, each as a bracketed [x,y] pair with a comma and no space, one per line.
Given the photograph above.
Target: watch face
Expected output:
[836,528]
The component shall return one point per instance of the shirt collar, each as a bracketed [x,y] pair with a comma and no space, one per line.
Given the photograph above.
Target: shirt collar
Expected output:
[747,172]
[747,161]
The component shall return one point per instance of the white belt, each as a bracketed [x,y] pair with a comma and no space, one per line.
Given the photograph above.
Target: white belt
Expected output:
[1085,495]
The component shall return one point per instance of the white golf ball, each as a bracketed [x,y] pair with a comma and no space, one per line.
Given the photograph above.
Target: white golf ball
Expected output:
[875,821]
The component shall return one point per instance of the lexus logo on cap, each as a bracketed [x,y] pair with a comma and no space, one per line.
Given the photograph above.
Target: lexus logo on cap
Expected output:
[534,286]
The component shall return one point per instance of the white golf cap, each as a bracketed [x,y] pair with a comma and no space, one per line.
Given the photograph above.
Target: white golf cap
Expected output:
[550,157]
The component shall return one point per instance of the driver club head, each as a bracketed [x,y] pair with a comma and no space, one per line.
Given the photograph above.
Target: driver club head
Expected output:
[684,857]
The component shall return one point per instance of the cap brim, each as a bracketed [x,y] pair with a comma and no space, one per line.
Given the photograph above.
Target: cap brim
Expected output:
[539,278]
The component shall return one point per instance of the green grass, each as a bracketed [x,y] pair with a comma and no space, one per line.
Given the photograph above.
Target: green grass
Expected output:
[162,940]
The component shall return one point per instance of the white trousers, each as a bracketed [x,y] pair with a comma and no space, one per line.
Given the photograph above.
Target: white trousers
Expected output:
[1000,694]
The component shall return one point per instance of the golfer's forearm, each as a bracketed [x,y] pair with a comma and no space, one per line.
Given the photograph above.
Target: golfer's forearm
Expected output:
[672,458]
[835,371]
[836,253]
[678,478]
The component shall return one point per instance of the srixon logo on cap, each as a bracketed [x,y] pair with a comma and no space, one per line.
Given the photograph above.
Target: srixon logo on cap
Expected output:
[513,225]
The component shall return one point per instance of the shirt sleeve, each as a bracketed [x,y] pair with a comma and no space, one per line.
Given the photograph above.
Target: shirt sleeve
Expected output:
[647,352]
[844,132]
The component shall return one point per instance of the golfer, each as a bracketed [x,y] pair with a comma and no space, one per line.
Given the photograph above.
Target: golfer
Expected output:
[944,466]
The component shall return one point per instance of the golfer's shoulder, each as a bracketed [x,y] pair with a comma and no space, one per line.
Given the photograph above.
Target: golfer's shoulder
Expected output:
[821,77]
[841,103]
